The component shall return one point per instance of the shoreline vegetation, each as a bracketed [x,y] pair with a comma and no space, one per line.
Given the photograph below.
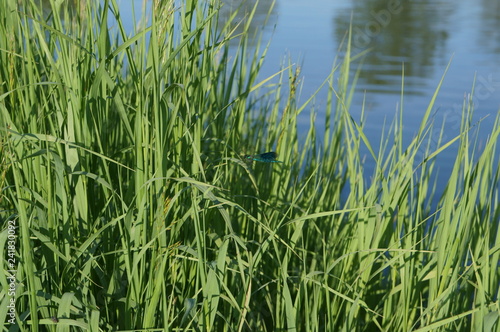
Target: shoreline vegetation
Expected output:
[123,170]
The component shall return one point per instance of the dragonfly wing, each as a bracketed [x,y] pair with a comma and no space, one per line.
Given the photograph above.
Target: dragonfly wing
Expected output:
[268,157]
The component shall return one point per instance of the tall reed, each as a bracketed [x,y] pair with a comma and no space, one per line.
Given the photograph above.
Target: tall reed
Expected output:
[122,168]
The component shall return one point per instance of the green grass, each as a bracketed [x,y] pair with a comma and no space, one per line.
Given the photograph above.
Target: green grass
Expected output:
[121,166]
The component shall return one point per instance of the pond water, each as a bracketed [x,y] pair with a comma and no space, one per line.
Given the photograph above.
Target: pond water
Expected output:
[422,35]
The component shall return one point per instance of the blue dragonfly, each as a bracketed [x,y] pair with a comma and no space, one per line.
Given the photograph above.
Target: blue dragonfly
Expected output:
[267,157]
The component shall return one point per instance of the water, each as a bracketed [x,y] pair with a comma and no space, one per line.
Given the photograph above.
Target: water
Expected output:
[424,36]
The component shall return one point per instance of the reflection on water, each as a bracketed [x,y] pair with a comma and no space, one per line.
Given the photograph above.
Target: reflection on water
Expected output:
[490,17]
[423,35]
[263,18]
[413,33]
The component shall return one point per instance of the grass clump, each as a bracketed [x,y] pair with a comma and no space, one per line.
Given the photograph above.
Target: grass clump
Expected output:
[122,169]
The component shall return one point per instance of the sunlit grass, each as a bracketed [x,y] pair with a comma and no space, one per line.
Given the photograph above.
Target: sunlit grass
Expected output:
[122,166]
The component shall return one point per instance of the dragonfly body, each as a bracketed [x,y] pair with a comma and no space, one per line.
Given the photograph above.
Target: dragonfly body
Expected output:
[268,157]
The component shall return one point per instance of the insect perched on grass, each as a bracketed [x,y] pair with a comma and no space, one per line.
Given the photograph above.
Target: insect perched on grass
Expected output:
[268,157]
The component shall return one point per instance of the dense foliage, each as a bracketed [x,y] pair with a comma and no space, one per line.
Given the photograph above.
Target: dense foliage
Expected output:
[122,169]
